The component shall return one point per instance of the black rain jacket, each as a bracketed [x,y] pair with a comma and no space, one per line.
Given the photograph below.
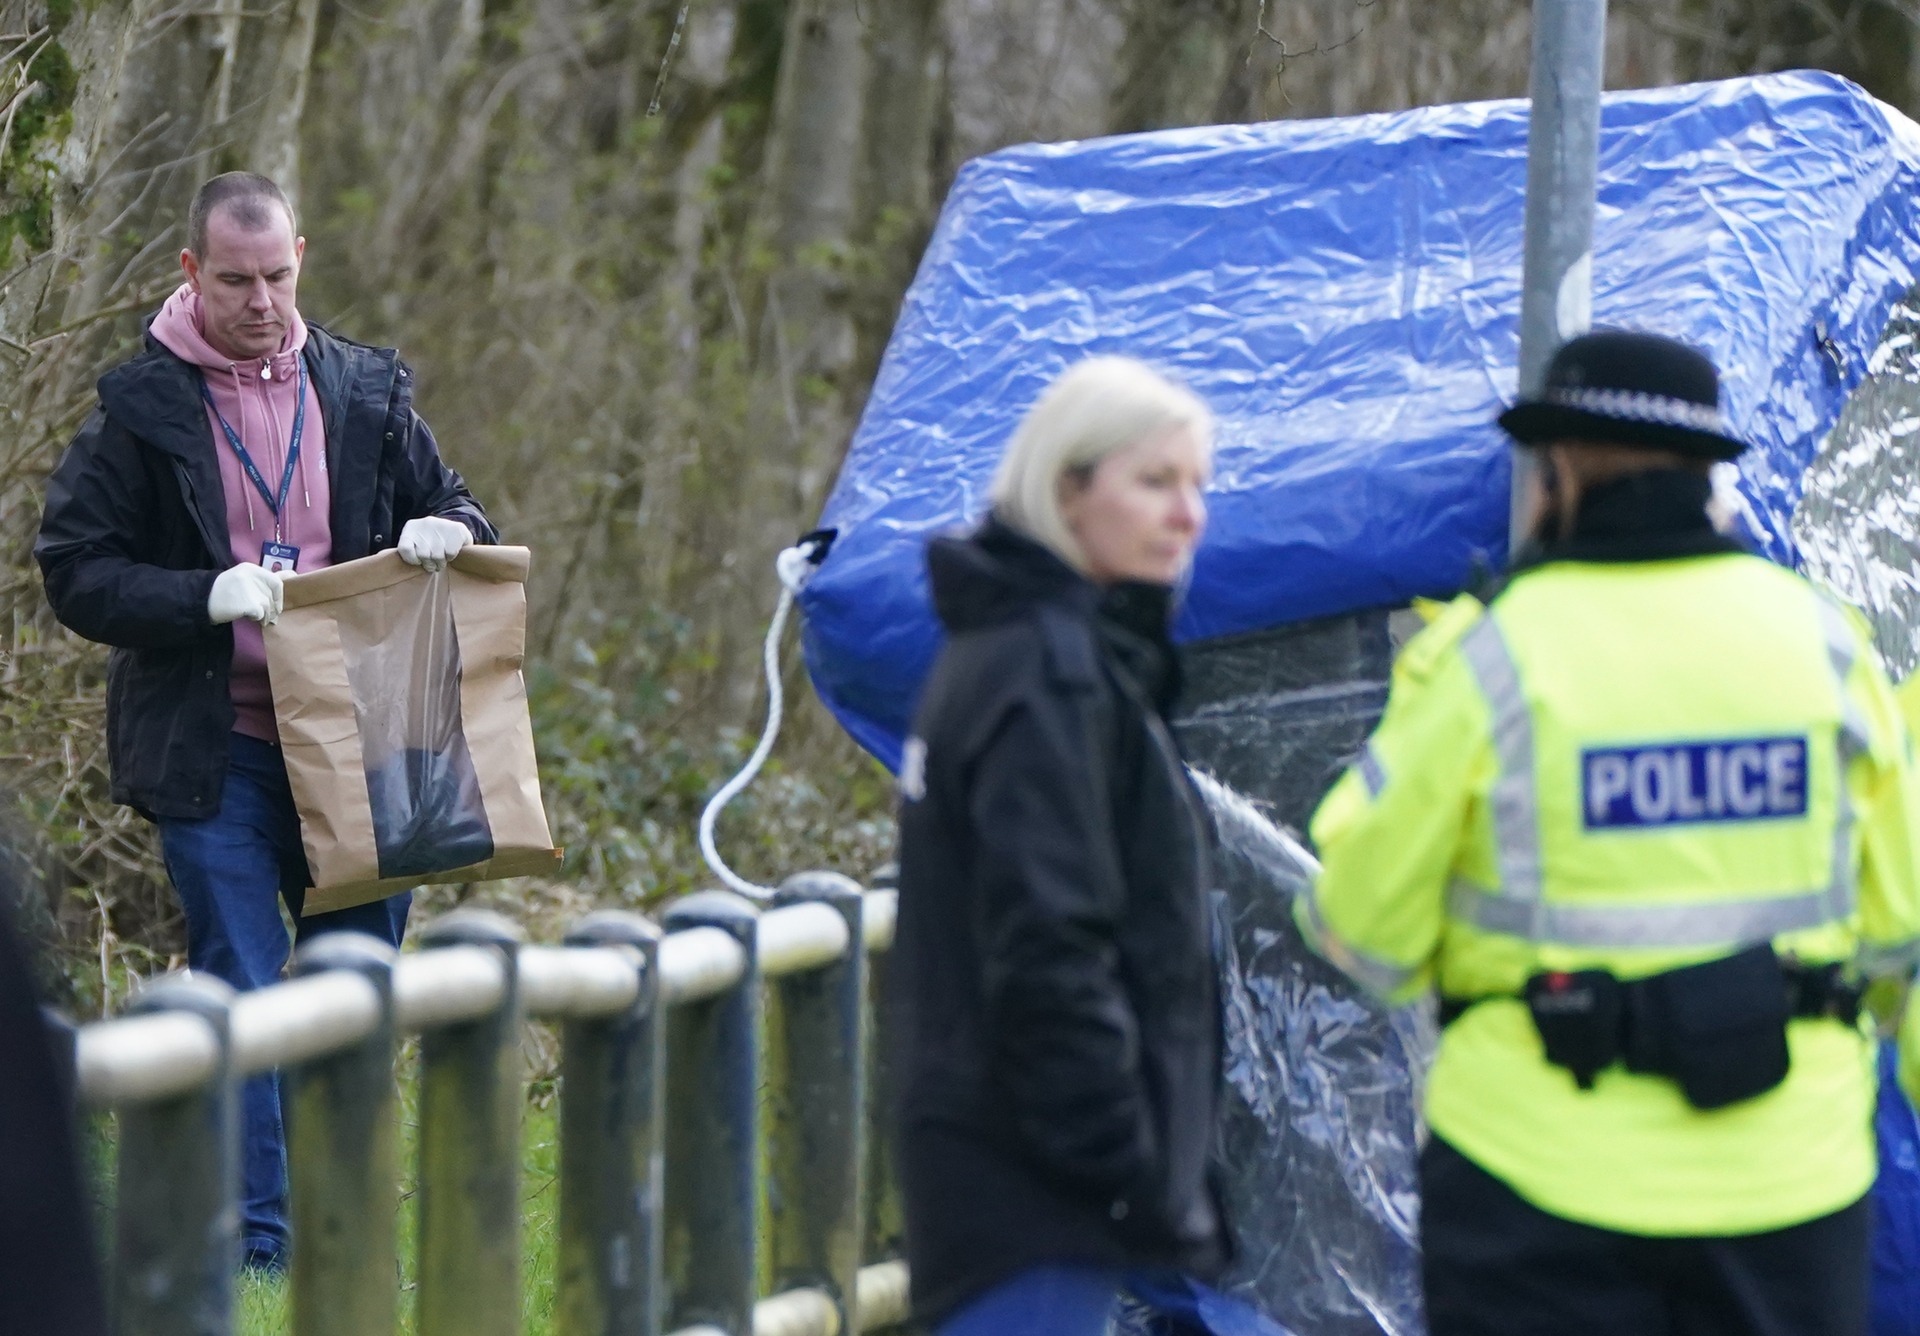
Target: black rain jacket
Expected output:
[50,1282]
[135,531]
[1059,1028]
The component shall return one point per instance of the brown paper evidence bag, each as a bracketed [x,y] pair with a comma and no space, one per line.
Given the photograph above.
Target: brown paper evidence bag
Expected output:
[403,719]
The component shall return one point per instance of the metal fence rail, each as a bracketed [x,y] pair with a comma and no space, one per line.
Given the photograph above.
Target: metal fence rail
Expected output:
[678,1194]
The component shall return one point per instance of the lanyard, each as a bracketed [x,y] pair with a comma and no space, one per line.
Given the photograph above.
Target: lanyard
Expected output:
[276,505]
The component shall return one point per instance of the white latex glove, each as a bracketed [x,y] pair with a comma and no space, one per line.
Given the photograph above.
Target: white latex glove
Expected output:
[432,542]
[252,592]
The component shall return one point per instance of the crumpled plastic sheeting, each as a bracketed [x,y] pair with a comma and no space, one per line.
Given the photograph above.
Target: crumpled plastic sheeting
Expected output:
[404,675]
[1345,293]
[1320,1135]
[1319,1124]
[1277,715]
[1319,1131]
[1858,525]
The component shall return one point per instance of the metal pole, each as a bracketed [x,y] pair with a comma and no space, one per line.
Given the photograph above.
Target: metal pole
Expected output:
[1563,150]
[817,1135]
[711,1234]
[343,1160]
[177,1212]
[612,1079]
[470,1099]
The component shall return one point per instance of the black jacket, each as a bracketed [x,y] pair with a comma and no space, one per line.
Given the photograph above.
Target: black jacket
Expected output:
[1059,1029]
[49,1273]
[135,530]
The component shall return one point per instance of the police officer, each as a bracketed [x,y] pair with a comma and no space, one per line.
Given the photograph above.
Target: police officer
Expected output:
[1645,821]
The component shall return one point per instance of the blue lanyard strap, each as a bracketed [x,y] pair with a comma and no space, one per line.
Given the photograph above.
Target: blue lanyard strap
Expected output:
[275,504]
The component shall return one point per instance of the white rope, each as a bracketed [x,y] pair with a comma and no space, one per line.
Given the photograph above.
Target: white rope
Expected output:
[795,566]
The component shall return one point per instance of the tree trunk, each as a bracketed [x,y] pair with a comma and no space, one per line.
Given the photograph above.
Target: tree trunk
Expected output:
[904,54]
[804,341]
[1177,62]
[813,169]
[151,133]
[906,59]
[673,446]
[273,58]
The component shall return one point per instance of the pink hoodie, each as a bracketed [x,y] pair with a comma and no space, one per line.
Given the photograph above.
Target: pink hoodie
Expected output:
[256,397]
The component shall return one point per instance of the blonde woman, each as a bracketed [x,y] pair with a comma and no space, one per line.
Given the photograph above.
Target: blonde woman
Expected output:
[1061,1033]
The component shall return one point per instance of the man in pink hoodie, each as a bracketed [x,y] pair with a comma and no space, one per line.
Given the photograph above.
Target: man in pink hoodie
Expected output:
[243,444]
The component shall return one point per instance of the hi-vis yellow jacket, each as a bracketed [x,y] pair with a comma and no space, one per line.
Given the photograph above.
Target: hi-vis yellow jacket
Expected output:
[1909,1039]
[1632,767]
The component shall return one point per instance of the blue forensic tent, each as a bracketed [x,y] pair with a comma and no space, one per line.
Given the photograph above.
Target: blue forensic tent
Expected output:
[1896,1209]
[1345,293]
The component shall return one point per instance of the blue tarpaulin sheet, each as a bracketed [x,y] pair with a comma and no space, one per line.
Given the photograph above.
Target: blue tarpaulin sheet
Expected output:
[1345,293]
[1896,1209]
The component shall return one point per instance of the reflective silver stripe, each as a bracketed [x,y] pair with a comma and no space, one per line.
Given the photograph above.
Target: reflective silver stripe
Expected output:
[1369,971]
[1897,962]
[1519,908]
[1852,740]
[1516,813]
[1843,651]
[1371,771]
[1710,923]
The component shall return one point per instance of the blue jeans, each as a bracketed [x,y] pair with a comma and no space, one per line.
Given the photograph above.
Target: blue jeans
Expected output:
[1052,1300]
[1077,1300]
[230,872]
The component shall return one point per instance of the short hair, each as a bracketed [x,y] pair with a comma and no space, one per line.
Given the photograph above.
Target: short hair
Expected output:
[248,196]
[1092,410]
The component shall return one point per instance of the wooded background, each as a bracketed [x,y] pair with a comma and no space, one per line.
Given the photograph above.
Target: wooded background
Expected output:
[644,256]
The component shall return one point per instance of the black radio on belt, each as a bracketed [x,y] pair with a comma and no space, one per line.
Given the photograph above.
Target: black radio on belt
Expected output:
[1579,1018]
[1718,1030]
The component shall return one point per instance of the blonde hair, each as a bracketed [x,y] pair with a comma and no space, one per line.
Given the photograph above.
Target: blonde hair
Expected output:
[1093,409]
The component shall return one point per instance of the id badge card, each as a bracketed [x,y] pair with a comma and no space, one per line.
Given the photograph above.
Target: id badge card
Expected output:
[279,557]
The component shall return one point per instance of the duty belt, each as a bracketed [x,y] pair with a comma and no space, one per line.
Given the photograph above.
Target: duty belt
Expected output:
[1717,1029]
[1813,992]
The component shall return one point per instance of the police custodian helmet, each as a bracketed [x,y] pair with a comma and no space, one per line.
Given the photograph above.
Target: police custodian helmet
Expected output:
[1617,387]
